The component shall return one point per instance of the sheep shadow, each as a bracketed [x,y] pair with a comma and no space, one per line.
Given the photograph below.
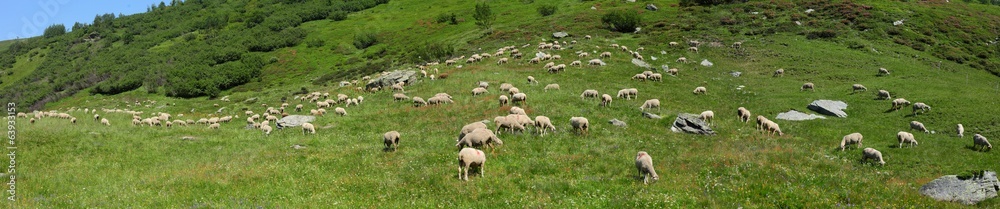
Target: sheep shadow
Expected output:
[388,149]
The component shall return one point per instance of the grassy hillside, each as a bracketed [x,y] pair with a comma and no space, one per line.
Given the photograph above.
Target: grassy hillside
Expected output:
[344,166]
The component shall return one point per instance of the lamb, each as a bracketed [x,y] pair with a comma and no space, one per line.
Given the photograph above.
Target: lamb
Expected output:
[743,114]
[656,77]
[981,142]
[308,128]
[391,140]
[104,121]
[542,123]
[589,93]
[853,138]
[779,73]
[870,153]
[580,124]
[469,158]
[214,126]
[531,79]
[399,97]
[644,163]
[919,126]
[551,86]
[340,111]
[883,94]
[267,129]
[503,100]
[519,97]
[479,90]
[479,138]
[921,107]
[707,116]
[809,86]
[700,90]
[650,104]
[882,71]
[960,130]
[606,100]
[906,137]
[859,87]
[640,77]
[899,103]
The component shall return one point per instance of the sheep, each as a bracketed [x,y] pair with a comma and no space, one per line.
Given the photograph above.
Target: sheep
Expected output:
[583,54]
[531,80]
[883,94]
[870,153]
[480,137]
[605,100]
[589,93]
[656,77]
[506,87]
[340,111]
[169,124]
[391,140]
[519,97]
[737,44]
[308,128]
[542,123]
[707,116]
[899,103]
[700,90]
[96,116]
[644,163]
[502,61]
[853,138]
[521,119]
[503,100]
[694,49]
[906,137]
[640,77]
[580,124]
[921,107]
[535,60]
[556,57]
[267,129]
[650,104]
[858,87]
[31,121]
[882,71]
[632,92]
[180,123]
[469,158]
[72,120]
[484,84]
[595,62]
[981,142]
[517,111]
[673,43]
[468,128]
[682,60]
[551,86]
[772,128]
[919,126]
[576,63]
[960,130]
[104,121]
[397,87]
[694,43]
[743,114]
[509,122]
[479,90]
[780,72]
[605,54]
[809,86]
[298,108]
[214,126]
[399,97]
[673,71]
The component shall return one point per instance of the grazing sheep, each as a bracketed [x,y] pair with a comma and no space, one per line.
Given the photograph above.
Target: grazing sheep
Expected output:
[707,116]
[737,44]
[469,158]
[298,108]
[870,153]
[589,93]
[576,63]
[960,130]
[644,163]
[502,61]
[743,114]
[580,124]
[468,128]
[650,104]
[899,103]
[484,84]
[551,86]
[771,127]
[503,100]
[595,62]
[96,116]
[531,80]
[214,126]
[510,123]
[859,87]
[479,90]
[919,126]
[882,71]
[632,92]
[656,77]
[535,60]
[780,72]
[506,87]
[640,77]
[556,57]
[853,138]
[694,49]
[340,111]
[542,123]
[809,86]
[700,90]
[519,97]
[673,43]
[180,122]
[606,55]
[480,137]
[906,137]
[883,94]
[417,102]
[682,59]
[606,100]
[31,121]
[981,142]
[308,128]
[517,111]
[921,107]
[399,97]
[104,121]
[391,140]
[673,71]
[583,54]
[267,129]
[72,120]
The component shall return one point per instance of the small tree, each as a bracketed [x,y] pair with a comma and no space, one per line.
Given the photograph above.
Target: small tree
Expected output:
[54,30]
[484,16]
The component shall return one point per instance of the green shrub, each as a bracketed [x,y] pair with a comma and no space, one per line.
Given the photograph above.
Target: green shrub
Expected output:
[315,42]
[54,30]
[364,40]
[449,18]
[484,16]
[624,21]
[281,21]
[337,15]
[546,10]
[431,51]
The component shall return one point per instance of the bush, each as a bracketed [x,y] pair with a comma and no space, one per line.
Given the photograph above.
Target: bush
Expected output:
[364,40]
[624,21]
[431,51]
[546,10]
[337,15]
[54,30]
[484,16]
[282,21]
[708,2]
[315,42]
[449,18]
[821,34]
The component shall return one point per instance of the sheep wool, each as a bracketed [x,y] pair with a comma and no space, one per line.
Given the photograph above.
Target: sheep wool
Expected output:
[469,158]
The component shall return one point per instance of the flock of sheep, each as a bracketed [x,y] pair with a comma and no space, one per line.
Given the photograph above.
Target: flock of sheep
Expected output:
[479,135]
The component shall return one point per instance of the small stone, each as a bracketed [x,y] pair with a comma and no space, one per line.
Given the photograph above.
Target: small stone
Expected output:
[619,123]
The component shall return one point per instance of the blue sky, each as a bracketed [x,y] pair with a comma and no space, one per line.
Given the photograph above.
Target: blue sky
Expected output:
[29,18]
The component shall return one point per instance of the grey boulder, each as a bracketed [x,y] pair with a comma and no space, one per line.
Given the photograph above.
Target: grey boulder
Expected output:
[641,64]
[650,115]
[652,7]
[798,116]
[967,190]
[691,123]
[616,122]
[407,76]
[560,34]
[829,107]
[294,120]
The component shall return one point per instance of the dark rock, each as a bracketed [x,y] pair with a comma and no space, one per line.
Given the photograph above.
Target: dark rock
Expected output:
[294,120]
[616,122]
[967,190]
[407,76]
[829,107]
[797,116]
[652,7]
[691,123]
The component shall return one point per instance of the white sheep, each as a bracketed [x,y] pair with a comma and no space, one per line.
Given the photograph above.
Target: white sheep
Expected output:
[509,123]
[853,138]
[656,77]
[700,90]
[589,93]
[674,43]
[214,126]
[605,54]
[553,86]
[882,71]
[919,126]
[883,94]
[469,158]
[606,100]
[298,108]
[503,100]
[858,87]
[595,62]
[707,116]
[502,61]
[870,153]
[644,163]
[772,128]
[682,60]
[267,130]
[542,123]
[479,90]
[920,107]
[960,130]
[104,121]
[576,63]
[519,97]
[308,128]
[506,87]
[809,86]
[899,103]
[399,97]
[484,84]
[780,72]
[531,80]
[673,71]
[480,137]
[650,104]
[981,142]
[391,140]
[906,137]
[640,77]
[580,124]
[340,111]
[517,111]
[694,49]
[743,114]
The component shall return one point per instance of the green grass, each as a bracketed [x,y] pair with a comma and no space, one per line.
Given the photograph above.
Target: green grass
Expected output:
[88,165]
